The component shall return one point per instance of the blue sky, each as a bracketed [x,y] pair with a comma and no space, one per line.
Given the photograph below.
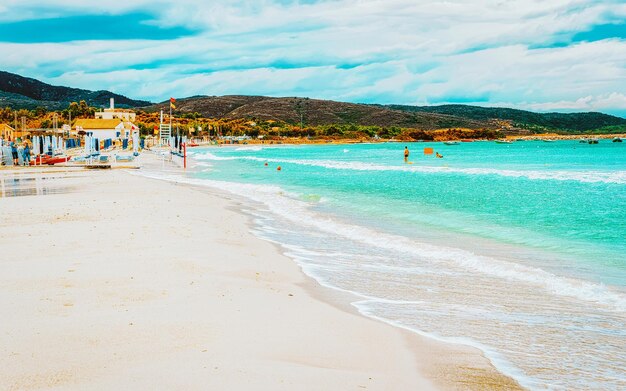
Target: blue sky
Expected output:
[557,55]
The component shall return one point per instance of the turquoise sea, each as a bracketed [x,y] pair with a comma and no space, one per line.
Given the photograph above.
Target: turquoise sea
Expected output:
[518,249]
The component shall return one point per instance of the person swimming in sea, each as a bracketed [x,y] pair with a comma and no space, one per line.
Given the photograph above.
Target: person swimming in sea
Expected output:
[406,154]
[440,156]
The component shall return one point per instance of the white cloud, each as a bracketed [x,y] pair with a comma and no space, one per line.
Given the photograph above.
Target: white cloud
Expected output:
[612,101]
[401,51]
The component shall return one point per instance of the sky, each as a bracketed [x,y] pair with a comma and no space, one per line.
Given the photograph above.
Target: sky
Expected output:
[556,55]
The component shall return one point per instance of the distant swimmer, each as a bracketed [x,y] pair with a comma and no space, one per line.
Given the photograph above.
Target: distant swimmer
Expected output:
[406,154]
[440,156]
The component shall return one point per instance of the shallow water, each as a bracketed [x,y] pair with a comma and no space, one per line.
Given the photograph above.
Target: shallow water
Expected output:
[517,248]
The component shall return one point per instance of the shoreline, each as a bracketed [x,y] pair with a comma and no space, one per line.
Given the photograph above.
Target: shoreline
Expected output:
[47,366]
[288,221]
[486,375]
[445,375]
[350,141]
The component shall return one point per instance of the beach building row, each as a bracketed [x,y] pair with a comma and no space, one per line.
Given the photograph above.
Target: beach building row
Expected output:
[100,128]
[106,128]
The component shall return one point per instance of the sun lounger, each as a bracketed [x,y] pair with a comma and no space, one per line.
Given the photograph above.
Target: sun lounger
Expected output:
[124,158]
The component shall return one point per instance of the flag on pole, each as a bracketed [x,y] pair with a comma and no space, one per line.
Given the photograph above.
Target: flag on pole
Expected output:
[172,105]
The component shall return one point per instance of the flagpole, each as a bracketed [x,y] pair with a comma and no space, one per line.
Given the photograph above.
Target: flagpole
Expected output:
[170,116]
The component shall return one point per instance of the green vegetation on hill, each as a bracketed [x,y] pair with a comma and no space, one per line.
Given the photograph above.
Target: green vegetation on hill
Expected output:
[41,117]
[314,112]
[536,122]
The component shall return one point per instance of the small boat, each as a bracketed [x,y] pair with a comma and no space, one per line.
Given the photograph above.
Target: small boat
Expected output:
[39,160]
[548,140]
[617,140]
[451,142]
[49,160]
[58,159]
[583,141]
[504,141]
[520,139]
[594,141]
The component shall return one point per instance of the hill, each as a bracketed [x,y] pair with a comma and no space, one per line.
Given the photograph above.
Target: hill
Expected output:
[324,112]
[26,93]
[558,121]
[23,92]
[315,112]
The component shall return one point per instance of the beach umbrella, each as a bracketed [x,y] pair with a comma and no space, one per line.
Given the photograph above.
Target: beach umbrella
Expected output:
[135,142]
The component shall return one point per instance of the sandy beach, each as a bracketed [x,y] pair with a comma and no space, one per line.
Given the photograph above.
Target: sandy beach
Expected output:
[109,280]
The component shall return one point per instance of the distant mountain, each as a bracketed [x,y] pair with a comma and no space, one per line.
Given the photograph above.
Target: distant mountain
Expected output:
[23,92]
[570,121]
[325,112]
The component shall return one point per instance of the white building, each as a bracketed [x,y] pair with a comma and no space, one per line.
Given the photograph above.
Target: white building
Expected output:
[106,128]
[113,113]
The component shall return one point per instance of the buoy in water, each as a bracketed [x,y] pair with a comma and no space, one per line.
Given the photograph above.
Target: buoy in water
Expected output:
[279,168]
[266,164]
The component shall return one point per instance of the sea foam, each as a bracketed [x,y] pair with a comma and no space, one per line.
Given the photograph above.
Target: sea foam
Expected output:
[615,177]
[287,206]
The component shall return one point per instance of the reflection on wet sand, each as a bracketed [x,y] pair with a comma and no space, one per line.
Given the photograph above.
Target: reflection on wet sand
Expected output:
[36,185]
